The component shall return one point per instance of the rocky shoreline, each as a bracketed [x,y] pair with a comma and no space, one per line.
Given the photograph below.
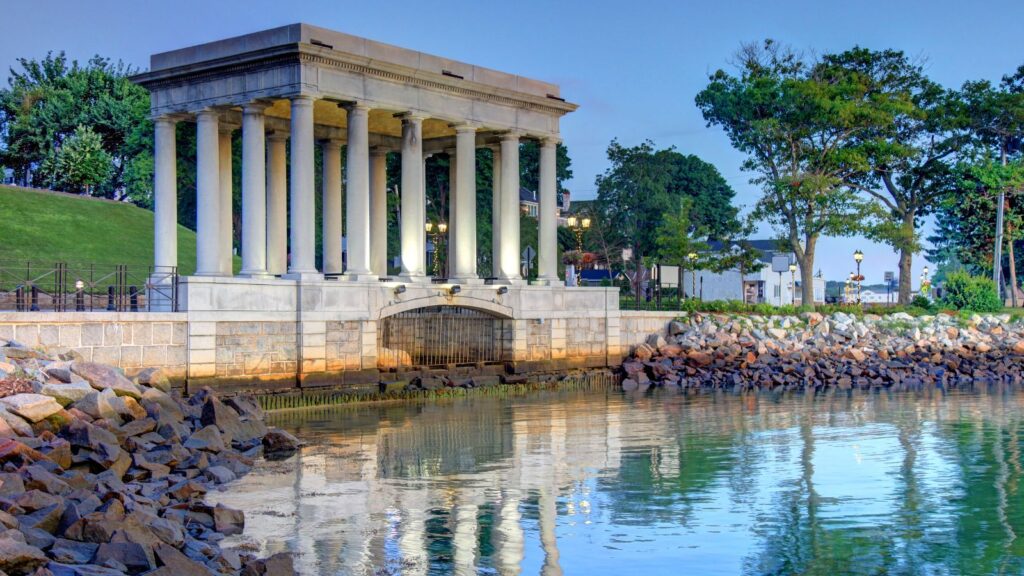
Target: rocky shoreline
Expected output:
[815,352]
[105,475]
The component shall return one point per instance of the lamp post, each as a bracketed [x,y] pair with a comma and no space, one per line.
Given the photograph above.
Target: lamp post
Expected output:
[926,284]
[792,283]
[578,226]
[858,256]
[437,233]
[692,257]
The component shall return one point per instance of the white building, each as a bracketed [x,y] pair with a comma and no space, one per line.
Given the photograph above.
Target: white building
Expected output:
[761,286]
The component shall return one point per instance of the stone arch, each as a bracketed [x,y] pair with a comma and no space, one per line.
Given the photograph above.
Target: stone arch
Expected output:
[493,308]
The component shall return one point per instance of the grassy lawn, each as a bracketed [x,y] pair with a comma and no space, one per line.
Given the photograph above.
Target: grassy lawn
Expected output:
[49,227]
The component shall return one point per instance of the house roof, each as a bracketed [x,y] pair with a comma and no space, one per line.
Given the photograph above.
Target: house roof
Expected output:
[767,248]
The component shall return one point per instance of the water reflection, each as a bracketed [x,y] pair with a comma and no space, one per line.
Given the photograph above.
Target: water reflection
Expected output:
[594,483]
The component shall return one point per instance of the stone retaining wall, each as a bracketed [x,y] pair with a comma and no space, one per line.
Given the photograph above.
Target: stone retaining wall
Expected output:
[129,340]
[636,325]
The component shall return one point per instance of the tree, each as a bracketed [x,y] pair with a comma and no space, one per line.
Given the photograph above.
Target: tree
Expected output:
[47,100]
[798,123]
[909,160]
[81,162]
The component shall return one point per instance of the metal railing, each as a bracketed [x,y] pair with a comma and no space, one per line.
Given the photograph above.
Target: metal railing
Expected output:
[68,287]
[441,336]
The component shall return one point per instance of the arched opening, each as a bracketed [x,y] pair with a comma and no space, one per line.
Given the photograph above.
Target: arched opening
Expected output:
[442,336]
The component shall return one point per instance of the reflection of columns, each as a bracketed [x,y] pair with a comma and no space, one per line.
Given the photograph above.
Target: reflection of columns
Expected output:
[379,211]
[207,194]
[412,540]
[548,539]
[464,221]
[510,536]
[254,192]
[331,206]
[226,232]
[165,195]
[277,203]
[303,205]
[464,539]
[495,210]
[547,231]
[510,208]
[357,194]
[413,200]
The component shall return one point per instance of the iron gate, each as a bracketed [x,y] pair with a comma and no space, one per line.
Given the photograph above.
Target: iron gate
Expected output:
[440,336]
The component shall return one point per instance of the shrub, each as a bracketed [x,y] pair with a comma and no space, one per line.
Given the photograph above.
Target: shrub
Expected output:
[920,301]
[973,293]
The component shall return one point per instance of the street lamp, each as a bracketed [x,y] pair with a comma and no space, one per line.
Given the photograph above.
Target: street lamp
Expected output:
[858,256]
[792,283]
[578,226]
[926,284]
[437,233]
[692,257]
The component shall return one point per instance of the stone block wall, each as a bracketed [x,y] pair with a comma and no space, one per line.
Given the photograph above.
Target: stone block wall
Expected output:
[585,337]
[254,348]
[344,345]
[636,326]
[131,340]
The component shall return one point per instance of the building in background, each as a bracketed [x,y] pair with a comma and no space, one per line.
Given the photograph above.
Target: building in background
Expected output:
[760,286]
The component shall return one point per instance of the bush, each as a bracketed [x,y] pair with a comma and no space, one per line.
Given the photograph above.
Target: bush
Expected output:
[920,301]
[972,293]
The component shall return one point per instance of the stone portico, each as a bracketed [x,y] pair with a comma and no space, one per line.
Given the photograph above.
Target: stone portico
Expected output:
[293,88]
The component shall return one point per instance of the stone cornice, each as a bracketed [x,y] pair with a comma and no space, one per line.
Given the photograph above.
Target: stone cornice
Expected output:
[299,53]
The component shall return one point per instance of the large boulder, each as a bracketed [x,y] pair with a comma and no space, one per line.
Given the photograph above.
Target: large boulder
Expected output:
[103,377]
[99,404]
[155,378]
[32,407]
[67,393]
[278,441]
[17,423]
[19,558]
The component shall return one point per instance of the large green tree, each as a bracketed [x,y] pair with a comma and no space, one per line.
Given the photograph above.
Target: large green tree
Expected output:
[47,100]
[798,122]
[910,159]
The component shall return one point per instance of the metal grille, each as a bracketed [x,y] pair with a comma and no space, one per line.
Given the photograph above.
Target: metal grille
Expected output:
[65,287]
[440,336]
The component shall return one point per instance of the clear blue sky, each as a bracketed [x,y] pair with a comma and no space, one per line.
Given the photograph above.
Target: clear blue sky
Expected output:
[634,67]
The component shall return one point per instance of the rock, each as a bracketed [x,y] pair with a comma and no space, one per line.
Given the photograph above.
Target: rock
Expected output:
[228,521]
[32,407]
[67,393]
[856,354]
[98,405]
[60,569]
[643,352]
[128,407]
[280,564]
[155,378]
[777,333]
[15,422]
[177,564]
[1018,347]
[129,554]
[655,341]
[72,552]
[103,377]
[219,474]
[207,438]
[19,558]
[278,441]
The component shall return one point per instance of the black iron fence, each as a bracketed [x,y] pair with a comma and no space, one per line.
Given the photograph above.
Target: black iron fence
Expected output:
[68,287]
[440,336]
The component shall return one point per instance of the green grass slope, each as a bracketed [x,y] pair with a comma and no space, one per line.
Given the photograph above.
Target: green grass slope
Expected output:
[49,227]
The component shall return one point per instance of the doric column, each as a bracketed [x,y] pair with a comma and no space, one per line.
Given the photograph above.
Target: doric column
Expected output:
[464,221]
[453,220]
[357,193]
[332,207]
[495,211]
[509,269]
[254,191]
[379,211]
[413,200]
[303,205]
[226,232]
[207,194]
[547,231]
[165,195]
[277,203]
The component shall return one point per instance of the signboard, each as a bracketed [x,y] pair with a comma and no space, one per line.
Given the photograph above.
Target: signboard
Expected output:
[669,275]
[780,263]
[627,254]
[889,277]
[529,254]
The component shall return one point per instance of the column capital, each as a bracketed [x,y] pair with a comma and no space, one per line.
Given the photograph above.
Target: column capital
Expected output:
[355,107]
[227,127]
[331,143]
[379,151]
[550,140]
[208,113]
[277,135]
[303,98]
[256,107]
[412,116]
[464,127]
[511,136]
[172,117]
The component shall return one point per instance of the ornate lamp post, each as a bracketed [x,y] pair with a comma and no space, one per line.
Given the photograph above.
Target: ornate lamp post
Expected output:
[792,283]
[858,256]
[578,226]
[437,233]
[692,257]
[926,284]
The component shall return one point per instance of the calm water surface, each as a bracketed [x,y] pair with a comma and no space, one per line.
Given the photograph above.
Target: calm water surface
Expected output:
[602,483]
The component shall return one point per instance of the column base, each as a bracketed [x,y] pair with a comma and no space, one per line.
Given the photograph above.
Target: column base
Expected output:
[469,280]
[255,274]
[313,276]
[360,277]
[511,281]
[548,282]
[412,279]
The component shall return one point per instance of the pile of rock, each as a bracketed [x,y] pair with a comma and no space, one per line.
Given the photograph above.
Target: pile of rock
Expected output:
[812,351]
[100,474]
